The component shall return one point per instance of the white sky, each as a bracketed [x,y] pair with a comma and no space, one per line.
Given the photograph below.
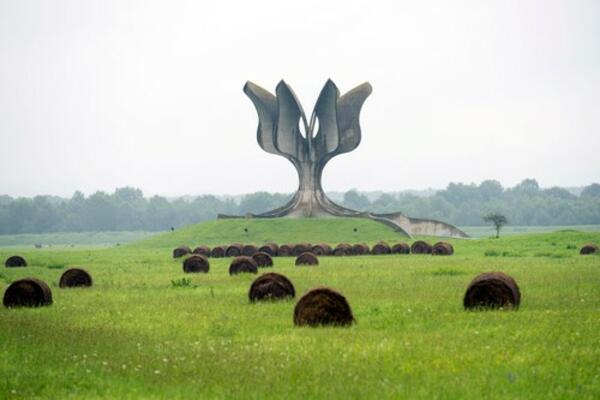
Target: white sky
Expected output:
[101,94]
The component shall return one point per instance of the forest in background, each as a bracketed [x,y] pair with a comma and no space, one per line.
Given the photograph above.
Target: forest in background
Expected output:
[460,204]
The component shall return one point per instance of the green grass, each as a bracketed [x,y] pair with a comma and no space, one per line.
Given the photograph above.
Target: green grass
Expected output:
[282,230]
[72,239]
[489,231]
[146,330]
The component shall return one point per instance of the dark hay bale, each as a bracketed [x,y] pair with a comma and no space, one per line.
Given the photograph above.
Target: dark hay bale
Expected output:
[196,263]
[342,249]
[300,248]
[202,250]
[360,249]
[243,264]
[15,261]
[400,248]
[285,250]
[249,250]
[321,249]
[28,292]
[492,290]
[307,258]
[271,286]
[420,247]
[381,248]
[181,251]
[323,306]
[588,249]
[262,259]
[218,252]
[442,249]
[234,250]
[75,277]
[269,248]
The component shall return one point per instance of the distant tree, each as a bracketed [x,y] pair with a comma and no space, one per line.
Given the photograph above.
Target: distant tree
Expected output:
[527,187]
[355,200]
[559,193]
[260,202]
[490,190]
[591,191]
[497,219]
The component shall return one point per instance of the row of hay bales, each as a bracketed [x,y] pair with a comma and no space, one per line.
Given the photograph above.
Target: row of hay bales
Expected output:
[320,249]
[197,263]
[33,292]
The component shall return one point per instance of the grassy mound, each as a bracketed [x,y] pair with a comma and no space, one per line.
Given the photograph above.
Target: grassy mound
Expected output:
[282,230]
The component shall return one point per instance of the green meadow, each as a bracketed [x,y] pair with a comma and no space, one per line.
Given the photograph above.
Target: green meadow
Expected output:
[147,330]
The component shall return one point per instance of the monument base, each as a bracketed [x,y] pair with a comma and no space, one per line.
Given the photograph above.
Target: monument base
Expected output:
[407,226]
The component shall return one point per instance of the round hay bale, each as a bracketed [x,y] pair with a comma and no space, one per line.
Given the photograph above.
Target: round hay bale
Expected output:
[271,286]
[181,251]
[27,292]
[243,264]
[420,247]
[285,250]
[300,248]
[262,259]
[75,277]
[323,306]
[15,261]
[218,252]
[249,250]
[360,249]
[269,248]
[342,249]
[307,258]
[234,250]
[442,249]
[202,250]
[588,249]
[321,249]
[400,248]
[196,263]
[492,290]
[381,248]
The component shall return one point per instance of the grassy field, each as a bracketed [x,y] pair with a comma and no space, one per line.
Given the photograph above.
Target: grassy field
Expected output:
[489,231]
[137,335]
[72,239]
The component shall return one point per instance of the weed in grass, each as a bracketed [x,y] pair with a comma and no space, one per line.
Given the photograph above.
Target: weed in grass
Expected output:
[511,254]
[183,282]
[447,272]
[551,255]
[56,266]
[491,253]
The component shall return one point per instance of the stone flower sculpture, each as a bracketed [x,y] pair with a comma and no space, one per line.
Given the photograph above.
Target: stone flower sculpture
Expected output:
[333,129]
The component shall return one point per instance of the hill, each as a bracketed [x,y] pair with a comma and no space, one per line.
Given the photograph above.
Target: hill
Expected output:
[281,230]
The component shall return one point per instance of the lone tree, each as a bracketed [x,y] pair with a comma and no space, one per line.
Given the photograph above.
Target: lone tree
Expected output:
[498,220]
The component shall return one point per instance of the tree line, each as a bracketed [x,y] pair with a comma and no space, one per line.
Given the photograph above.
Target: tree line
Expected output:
[460,204]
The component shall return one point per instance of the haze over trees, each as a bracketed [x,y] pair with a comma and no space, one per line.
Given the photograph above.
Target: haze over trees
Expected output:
[460,204]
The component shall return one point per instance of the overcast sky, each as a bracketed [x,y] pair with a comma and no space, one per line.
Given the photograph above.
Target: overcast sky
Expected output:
[96,95]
